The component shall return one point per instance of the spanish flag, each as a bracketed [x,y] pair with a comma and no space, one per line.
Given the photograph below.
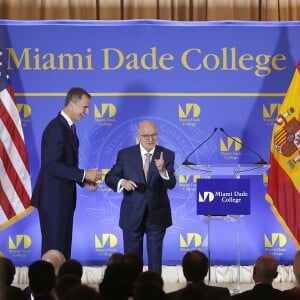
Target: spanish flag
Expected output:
[283,191]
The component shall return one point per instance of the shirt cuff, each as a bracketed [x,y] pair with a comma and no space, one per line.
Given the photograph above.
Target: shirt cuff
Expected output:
[120,188]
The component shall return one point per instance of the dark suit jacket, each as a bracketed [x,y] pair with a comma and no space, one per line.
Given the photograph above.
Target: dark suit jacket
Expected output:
[262,291]
[211,292]
[152,194]
[11,293]
[295,292]
[55,189]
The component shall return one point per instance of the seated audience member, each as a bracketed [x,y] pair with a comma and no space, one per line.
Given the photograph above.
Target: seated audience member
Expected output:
[42,279]
[195,266]
[192,292]
[7,273]
[82,292]
[149,290]
[135,264]
[64,283]
[117,283]
[71,266]
[264,272]
[296,268]
[132,261]
[55,257]
[149,285]
[150,276]
[115,258]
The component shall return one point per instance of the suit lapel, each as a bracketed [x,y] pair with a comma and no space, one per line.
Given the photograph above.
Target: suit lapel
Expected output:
[72,138]
[152,168]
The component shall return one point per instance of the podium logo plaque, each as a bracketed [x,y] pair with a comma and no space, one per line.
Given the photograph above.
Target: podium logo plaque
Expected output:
[223,197]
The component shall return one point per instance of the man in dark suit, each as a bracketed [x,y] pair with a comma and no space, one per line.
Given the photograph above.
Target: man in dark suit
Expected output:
[145,208]
[54,194]
[195,266]
[7,273]
[264,272]
[295,291]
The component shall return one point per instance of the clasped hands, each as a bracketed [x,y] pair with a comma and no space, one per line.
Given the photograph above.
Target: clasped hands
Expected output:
[91,179]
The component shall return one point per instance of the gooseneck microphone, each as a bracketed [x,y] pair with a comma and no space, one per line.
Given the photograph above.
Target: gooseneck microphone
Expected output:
[261,162]
[186,161]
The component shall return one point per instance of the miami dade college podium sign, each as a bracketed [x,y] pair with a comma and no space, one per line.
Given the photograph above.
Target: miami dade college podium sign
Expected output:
[223,196]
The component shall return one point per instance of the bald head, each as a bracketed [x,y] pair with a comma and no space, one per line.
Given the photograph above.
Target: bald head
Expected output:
[147,135]
[55,257]
[265,269]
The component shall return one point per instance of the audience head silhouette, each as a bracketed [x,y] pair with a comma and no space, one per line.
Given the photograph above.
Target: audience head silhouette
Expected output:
[150,276]
[7,271]
[265,269]
[82,292]
[115,258]
[71,266]
[41,277]
[149,290]
[65,283]
[195,266]
[117,283]
[135,263]
[55,257]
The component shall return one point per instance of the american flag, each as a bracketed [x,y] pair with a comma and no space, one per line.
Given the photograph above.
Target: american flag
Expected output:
[15,184]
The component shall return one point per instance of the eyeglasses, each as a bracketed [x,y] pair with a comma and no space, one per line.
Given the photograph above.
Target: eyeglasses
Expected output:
[148,136]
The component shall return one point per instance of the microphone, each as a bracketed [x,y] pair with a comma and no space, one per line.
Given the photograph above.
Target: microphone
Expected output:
[186,161]
[261,162]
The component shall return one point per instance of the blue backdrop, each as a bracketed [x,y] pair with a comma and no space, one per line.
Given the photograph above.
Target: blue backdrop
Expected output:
[189,78]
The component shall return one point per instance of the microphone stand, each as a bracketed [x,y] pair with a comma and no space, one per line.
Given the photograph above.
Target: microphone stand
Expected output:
[186,162]
[261,162]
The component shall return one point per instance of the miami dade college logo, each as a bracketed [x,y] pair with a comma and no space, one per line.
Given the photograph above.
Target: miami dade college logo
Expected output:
[190,240]
[270,112]
[105,113]
[24,112]
[287,136]
[275,243]
[189,114]
[207,196]
[19,245]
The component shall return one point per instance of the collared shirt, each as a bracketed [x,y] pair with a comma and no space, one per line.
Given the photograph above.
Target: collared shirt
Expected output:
[70,123]
[143,152]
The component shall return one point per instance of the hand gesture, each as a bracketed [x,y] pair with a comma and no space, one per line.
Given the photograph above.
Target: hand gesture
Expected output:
[92,187]
[128,185]
[160,163]
[92,175]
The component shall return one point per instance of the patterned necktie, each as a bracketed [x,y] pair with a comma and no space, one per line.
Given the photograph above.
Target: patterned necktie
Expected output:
[147,164]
